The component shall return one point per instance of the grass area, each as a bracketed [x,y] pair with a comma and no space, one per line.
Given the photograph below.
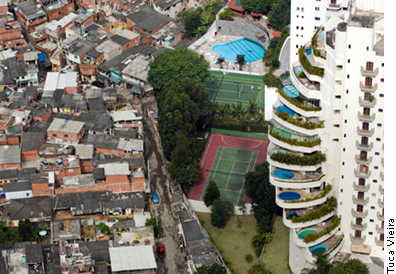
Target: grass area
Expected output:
[233,242]
[277,251]
[243,134]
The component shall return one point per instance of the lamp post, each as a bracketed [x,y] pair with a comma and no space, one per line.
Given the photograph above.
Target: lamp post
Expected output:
[250,63]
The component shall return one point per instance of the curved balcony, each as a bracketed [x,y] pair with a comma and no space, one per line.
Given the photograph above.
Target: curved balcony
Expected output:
[362,175]
[337,247]
[293,167]
[334,245]
[292,147]
[300,180]
[364,188]
[366,118]
[304,86]
[319,228]
[369,73]
[379,242]
[364,147]
[334,7]
[380,203]
[308,256]
[363,161]
[380,230]
[380,217]
[364,103]
[371,89]
[298,109]
[357,201]
[381,189]
[312,77]
[358,227]
[288,222]
[357,240]
[363,132]
[302,130]
[300,202]
[357,214]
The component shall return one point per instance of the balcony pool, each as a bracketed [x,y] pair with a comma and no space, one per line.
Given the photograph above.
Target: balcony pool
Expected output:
[290,91]
[289,195]
[318,249]
[305,232]
[283,174]
[322,36]
[285,109]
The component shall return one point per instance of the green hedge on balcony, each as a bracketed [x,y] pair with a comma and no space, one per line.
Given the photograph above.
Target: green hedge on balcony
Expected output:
[310,237]
[326,209]
[285,116]
[314,40]
[299,105]
[295,142]
[307,65]
[290,159]
[326,190]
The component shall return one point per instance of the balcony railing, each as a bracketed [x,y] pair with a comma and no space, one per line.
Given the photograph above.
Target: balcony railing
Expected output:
[379,242]
[380,217]
[382,161]
[360,201]
[357,214]
[360,227]
[364,103]
[368,73]
[382,176]
[379,229]
[362,175]
[356,239]
[381,189]
[364,147]
[361,161]
[364,132]
[361,188]
[380,203]
[366,118]
[371,89]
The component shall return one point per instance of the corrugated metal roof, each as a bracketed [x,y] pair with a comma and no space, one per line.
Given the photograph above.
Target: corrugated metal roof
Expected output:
[51,81]
[126,115]
[132,258]
[130,144]
[116,169]
[64,126]
[10,154]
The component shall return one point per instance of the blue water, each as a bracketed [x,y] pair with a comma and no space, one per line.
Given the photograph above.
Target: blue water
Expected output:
[291,91]
[284,174]
[288,196]
[304,232]
[322,36]
[230,50]
[298,69]
[318,249]
[285,109]
[308,52]
[278,150]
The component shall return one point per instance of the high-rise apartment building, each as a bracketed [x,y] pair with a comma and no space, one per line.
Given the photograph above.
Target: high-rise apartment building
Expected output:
[327,139]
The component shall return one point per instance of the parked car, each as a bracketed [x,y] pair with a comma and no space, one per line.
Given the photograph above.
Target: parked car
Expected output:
[161,251]
[98,84]
[155,198]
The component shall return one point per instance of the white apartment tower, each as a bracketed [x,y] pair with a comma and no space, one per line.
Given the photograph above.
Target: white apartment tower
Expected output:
[327,139]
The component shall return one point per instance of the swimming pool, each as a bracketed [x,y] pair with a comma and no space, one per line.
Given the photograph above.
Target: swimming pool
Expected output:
[288,196]
[278,151]
[283,174]
[318,249]
[305,232]
[285,109]
[291,91]
[308,52]
[322,36]
[229,51]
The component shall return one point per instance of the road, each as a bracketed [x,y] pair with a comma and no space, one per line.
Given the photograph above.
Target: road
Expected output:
[175,260]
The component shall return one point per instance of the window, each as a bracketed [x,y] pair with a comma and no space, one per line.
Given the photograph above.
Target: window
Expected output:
[302,28]
[343,149]
[127,45]
[338,96]
[370,233]
[298,16]
[381,95]
[345,121]
[54,135]
[373,194]
[27,194]
[317,8]
[367,48]
[50,185]
[368,81]
[360,195]
[349,46]
[335,140]
[66,136]
[337,111]
[302,16]
[296,35]
[317,18]
[135,40]
[342,190]
[345,135]
[362,182]
[349,60]
[378,139]
[382,65]
[367,96]
[343,163]
[381,237]
[364,140]
[365,126]
[346,106]
[347,91]
[57,172]
[85,69]
[371,220]
[296,46]
[366,111]
[382,80]
[359,221]
[302,9]
[336,125]
[359,208]
[298,8]
[358,234]
[375,181]
[342,176]
[347,76]
[369,66]
[70,170]
[379,125]
[377,153]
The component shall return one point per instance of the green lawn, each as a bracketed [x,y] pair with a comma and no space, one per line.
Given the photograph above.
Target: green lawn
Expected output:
[232,241]
[275,255]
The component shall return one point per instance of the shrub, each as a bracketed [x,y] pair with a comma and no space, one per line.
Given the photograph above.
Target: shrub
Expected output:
[271,80]
[249,258]
[295,142]
[290,159]
[246,126]
[226,14]
[212,193]
[314,39]
[221,212]
[327,189]
[310,237]
[301,75]
[303,107]
[326,209]
[307,65]
[299,121]
[275,63]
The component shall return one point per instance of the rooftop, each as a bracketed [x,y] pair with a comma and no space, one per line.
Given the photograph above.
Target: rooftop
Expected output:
[148,19]
[35,207]
[164,4]
[114,142]
[84,151]
[56,149]
[16,186]
[65,126]
[31,140]
[361,21]
[116,169]
[10,154]
[82,180]
[107,46]
[29,9]
[64,230]
[127,258]
[143,234]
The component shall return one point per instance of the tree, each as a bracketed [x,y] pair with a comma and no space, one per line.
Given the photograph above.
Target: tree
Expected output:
[153,222]
[279,16]
[354,266]
[213,269]
[258,269]
[322,265]
[259,6]
[212,193]
[191,19]
[251,110]
[237,111]
[185,175]
[221,212]
[25,230]
[226,14]
[271,80]
[103,228]
[241,61]
[177,65]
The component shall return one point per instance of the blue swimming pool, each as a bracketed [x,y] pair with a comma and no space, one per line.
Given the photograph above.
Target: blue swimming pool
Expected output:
[291,91]
[298,70]
[305,232]
[322,36]
[288,196]
[308,52]
[229,51]
[318,249]
[285,109]
[283,174]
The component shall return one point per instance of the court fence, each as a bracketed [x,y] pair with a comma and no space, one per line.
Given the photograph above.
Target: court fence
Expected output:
[246,126]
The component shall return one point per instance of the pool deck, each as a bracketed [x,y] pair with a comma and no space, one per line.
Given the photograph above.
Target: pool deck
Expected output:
[304,194]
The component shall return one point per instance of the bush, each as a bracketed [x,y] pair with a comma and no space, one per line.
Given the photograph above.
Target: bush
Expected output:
[103,228]
[153,222]
[327,189]
[290,159]
[249,258]
[326,209]
[275,63]
[310,237]
[271,80]
[295,142]
[307,65]
[250,126]
[299,121]
[212,193]
[226,14]
[222,210]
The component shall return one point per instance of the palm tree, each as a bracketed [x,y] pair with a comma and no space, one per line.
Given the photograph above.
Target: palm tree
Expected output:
[237,111]
[251,110]
[221,110]
[323,265]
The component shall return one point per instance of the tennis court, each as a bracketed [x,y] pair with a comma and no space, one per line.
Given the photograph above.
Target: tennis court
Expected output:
[233,88]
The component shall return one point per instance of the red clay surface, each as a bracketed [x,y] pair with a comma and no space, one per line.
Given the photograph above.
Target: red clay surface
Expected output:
[209,155]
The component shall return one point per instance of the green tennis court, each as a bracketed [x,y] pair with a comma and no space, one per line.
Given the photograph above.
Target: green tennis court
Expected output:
[233,88]
[228,171]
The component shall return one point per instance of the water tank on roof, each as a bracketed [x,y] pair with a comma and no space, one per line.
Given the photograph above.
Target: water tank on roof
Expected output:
[38,7]
[50,8]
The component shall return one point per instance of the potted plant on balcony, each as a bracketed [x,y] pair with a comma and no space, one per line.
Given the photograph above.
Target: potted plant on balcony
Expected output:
[371,98]
[362,156]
